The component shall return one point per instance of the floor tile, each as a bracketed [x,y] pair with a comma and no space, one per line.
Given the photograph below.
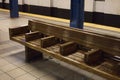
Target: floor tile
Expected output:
[19,63]
[16,72]
[52,66]
[98,77]
[28,67]
[26,77]
[39,73]
[8,47]
[64,73]
[3,62]
[15,57]
[5,76]
[11,52]
[71,77]
[4,46]
[78,76]
[50,77]
[1,72]
[8,67]
[11,58]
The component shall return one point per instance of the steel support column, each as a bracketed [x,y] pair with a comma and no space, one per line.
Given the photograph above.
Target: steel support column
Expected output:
[77,13]
[14,13]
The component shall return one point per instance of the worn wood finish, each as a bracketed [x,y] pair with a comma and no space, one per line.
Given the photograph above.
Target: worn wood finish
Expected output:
[33,35]
[31,54]
[115,62]
[18,30]
[20,39]
[36,42]
[68,48]
[80,63]
[108,44]
[90,48]
[109,68]
[94,57]
[18,33]
[48,41]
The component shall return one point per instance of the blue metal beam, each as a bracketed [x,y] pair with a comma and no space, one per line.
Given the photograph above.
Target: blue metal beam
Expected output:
[14,12]
[77,14]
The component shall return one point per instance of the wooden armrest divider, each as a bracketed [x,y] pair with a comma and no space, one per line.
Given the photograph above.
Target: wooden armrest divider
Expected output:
[33,35]
[18,30]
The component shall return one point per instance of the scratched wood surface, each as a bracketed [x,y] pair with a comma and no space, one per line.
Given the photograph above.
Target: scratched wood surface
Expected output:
[77,58]
[105,43]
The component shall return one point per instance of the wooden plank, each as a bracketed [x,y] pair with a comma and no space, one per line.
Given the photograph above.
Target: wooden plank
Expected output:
[84,38]
[106,43]
[68,48]
[94,57]
[33,35]
[55,48]
[20,39]
[74,62]
[18,30]
[115,64]
[79,55]
[109,68]
[48,41]
[35,42]
[74,57]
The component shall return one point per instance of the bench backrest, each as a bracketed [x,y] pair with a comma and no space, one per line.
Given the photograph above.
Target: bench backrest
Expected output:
[108,44]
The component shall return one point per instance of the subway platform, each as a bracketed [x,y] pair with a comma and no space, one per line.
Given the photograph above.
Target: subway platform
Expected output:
[12,61]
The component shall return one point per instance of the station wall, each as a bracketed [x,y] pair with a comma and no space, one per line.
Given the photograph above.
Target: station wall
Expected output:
[106,12]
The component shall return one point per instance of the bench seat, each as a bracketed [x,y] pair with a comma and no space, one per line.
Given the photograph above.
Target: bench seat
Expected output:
[96,59]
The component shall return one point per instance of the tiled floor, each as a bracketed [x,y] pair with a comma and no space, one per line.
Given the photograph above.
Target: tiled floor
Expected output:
[14,67]
[12,59]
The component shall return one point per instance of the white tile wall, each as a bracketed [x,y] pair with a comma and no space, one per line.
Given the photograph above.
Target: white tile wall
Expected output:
[89,4]
[65,4]
[45,3]
[31,2]
[99,6]
[112,7]
[107,6]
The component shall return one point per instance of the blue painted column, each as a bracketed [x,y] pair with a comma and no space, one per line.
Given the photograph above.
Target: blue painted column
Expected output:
[77,14]
[14,12]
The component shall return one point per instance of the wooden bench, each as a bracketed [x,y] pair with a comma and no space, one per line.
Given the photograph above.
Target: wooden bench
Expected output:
[96,53]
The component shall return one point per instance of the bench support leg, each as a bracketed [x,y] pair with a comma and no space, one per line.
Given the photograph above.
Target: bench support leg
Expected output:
[32,55]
